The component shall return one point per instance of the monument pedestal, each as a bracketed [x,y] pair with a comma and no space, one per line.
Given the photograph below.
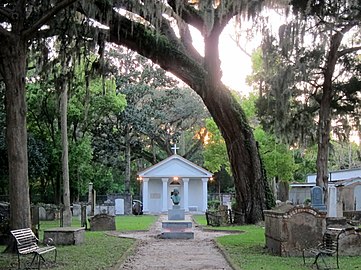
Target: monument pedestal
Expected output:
[176,227]
[176,213]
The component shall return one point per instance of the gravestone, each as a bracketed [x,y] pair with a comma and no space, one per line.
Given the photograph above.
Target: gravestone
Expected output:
[119,207]
[48,212]
[102,222]
[42,213]
[76,210]
[317,198]
[332,202]
[104,209]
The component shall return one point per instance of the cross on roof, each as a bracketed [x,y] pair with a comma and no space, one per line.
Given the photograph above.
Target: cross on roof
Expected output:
[175,148]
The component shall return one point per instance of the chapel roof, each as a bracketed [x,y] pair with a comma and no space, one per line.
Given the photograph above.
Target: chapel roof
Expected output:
[175,165]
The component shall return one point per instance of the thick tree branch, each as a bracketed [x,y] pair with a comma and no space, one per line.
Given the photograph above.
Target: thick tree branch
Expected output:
[137,37]
[47,16]
[189,14]
[348,50]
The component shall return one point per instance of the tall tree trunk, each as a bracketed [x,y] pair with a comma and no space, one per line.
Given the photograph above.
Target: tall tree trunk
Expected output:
[13,70]
[250,183]
[64,157]
[324,124]
[127,195]
[324,129]
[13,56]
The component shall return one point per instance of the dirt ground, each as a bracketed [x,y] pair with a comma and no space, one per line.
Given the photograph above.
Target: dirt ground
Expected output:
[155,253]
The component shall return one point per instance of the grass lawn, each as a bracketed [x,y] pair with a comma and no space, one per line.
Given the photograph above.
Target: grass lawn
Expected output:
[99,251]
[246,250]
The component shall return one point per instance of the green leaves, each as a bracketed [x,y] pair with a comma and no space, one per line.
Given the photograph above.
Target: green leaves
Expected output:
[277,157]
[215,151]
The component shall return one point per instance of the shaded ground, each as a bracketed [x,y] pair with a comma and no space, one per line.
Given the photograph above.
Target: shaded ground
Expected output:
[155,253]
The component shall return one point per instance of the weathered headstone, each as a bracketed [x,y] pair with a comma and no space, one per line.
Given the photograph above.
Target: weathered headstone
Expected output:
[332,202]
[317,198]
[76,209]
[104,209]
[42,213]
[119,207]
[102,222]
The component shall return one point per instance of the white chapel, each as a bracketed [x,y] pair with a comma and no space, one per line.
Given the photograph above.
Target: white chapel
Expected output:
[174,172]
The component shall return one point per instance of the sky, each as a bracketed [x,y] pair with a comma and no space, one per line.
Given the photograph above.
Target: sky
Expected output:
[236,64]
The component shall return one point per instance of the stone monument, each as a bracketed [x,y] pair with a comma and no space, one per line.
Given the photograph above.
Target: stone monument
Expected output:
[176,213]
[176,227]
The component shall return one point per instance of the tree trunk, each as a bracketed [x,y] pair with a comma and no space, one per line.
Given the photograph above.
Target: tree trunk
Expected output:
[324,124]
[13,56]
[64,157]
[324,129]
[250,183]
[127,195]
[13,70]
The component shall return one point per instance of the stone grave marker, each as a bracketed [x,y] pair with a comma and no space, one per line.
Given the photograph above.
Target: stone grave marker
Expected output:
[42,213]
[332,202]
[102,222]
[76,210]
[317,198]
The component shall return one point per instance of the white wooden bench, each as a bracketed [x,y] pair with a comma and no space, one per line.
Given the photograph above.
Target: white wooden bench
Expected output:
[26,243]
